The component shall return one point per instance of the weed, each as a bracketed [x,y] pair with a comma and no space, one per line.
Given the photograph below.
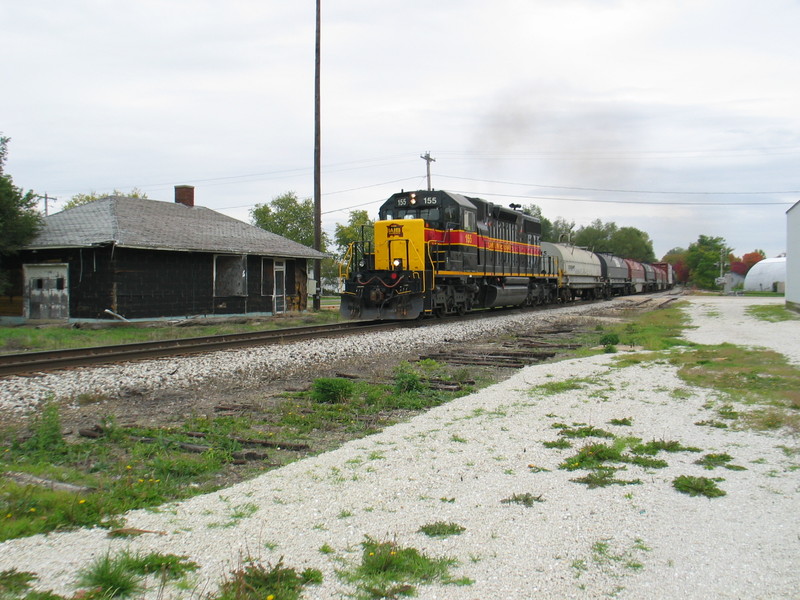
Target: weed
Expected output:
[712,423]
[47,443]
[697,486]
[13,583]
[526,499]
[603,477]
[388,570]
[609,339]
[712,461]
[326,549]
[111,577]
[441,529]
[585,431]
[254,581]
[406,379]
[331,390]
[628,421]
[562,443]
[655,446]
[551,388]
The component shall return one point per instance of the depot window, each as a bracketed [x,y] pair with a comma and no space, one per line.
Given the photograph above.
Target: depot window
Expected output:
[230,275]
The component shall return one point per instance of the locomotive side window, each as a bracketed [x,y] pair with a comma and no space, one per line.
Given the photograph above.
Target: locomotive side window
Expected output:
[469,220]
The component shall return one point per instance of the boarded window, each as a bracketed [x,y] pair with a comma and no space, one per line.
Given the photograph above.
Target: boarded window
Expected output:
[230,275]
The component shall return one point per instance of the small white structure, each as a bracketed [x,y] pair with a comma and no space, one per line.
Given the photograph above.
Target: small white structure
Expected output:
[793,257]
[768,275]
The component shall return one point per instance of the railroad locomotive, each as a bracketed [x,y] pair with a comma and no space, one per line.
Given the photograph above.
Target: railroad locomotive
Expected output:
[439,253]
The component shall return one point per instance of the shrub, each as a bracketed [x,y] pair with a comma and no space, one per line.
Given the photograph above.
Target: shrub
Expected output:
[407,380]
[331,390]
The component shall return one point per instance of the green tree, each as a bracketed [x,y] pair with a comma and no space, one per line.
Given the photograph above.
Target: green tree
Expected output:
[359,226]
[596,237]
[630,242]
[79,199]
[19,218]
[703,260]
[289,217]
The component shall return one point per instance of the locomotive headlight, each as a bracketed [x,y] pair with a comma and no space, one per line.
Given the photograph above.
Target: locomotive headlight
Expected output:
[397,263]
[361,263]
[413,199]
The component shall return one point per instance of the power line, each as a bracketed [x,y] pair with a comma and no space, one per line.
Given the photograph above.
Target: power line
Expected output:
[622,191]
[640,202]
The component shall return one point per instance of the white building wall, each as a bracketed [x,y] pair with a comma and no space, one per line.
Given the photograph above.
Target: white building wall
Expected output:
[793,257]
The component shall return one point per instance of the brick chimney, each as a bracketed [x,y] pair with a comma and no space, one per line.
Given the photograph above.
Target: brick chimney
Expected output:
[184,194]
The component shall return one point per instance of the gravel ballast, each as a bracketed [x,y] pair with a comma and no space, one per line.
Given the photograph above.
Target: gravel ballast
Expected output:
[458,462]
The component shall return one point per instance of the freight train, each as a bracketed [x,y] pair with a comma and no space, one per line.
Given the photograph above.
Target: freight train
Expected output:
[435,253]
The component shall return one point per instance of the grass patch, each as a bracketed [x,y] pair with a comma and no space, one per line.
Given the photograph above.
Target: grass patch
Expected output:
[560,444]
[551,388]
[388,570]
[31,338]
[698,486]
[773,313]
[762,378]
[655,330]
[712,461]
[603,477]
[441,529]
[584,432]
[120,471]
[625,450]
[527,499]
[254,581]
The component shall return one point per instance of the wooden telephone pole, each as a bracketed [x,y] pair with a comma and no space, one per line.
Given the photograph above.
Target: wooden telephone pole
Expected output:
[317,169]
[427,158]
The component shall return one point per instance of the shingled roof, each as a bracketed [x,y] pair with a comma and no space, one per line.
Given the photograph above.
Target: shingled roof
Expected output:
[155,225]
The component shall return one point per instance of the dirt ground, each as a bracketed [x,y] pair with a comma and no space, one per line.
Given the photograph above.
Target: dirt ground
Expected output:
[172,408]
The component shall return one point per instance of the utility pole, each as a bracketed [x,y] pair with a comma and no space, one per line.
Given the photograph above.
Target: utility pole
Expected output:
[46,199]
[427,158]
[317,168]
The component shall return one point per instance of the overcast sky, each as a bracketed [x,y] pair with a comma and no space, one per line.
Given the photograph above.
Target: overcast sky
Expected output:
[677,117]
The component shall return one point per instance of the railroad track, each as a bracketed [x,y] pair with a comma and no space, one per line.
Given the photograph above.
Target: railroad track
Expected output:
[33,362]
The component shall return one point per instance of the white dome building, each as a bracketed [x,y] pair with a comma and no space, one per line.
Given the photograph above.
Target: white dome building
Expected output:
[768,275]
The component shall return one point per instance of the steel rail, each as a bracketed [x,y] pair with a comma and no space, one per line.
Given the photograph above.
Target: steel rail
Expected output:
[33,362]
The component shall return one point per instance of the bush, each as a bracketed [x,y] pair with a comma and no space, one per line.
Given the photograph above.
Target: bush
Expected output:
[407,380]
[331,390]
[609,339]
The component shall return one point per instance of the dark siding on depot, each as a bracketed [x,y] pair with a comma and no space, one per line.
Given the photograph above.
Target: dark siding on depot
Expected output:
[141,284]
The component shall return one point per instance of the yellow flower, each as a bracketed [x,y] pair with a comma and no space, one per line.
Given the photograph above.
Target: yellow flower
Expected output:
[8,516]
[32,510]
[81,501]
[270,597]
[128,467]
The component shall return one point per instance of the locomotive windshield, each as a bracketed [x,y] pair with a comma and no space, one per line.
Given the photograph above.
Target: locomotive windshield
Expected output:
[430,214]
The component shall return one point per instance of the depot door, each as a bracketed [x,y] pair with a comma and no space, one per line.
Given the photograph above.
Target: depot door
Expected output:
[46,291]
[280,286]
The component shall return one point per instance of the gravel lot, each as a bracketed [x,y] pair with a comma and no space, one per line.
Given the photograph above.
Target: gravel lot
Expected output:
[458,462]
